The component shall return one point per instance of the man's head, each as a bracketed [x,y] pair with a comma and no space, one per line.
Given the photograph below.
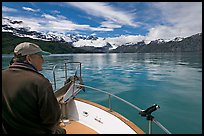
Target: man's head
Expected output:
[30,53]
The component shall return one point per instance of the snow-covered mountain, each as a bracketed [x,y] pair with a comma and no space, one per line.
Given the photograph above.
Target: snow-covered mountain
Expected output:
[19,28]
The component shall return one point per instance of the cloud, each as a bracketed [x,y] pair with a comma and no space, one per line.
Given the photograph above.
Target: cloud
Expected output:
[61,17]
[55,11]
[52,23]
[64,24]
[177,19]
[109,24]
[7,9]
[30,9]
[32,23]
[181,19]
[49,17]
[100,9]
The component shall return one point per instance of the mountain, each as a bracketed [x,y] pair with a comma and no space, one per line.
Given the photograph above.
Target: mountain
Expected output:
[18,28]
[189,44]
[14,31]
[9,41]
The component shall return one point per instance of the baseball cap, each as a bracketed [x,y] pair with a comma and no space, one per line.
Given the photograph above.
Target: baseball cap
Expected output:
[27,48]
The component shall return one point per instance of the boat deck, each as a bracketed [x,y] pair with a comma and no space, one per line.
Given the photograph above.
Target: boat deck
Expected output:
[75,127]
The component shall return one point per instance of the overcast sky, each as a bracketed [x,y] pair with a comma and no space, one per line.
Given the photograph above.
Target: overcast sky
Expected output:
[150,20]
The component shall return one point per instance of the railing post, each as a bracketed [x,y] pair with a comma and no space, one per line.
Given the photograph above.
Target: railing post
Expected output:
[65,71]
[109,102]
[80,68]
[54,76]
[150,126]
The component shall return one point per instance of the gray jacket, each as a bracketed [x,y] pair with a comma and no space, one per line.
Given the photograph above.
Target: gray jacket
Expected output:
[28,101]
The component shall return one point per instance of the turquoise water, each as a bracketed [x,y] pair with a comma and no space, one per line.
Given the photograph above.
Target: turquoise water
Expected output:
[173,81]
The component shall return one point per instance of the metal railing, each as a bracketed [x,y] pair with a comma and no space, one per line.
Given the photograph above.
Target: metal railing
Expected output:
[130,104]
[147,114]
[65,70]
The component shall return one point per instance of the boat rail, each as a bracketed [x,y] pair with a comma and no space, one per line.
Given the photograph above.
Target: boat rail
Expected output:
[146,113]
[65,70]
[130,104]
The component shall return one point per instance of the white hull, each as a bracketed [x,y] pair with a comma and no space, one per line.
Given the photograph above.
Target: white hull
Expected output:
[98,118]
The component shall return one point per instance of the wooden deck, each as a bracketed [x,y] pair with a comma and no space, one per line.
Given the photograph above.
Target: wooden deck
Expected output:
[74,127]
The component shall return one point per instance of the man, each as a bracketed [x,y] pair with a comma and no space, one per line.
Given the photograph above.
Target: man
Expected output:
[28,101]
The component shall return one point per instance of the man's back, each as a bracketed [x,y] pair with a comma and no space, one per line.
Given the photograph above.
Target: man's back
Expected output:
[28,101]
